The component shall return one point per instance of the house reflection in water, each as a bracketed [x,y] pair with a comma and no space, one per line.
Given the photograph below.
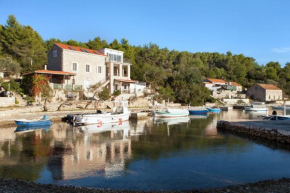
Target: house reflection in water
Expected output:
[90,151]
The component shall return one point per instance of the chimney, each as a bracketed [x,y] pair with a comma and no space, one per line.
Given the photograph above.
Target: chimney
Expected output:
[45,67]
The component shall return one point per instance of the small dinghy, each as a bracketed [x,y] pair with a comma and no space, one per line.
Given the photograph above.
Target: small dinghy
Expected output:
[40,122]
[214,110]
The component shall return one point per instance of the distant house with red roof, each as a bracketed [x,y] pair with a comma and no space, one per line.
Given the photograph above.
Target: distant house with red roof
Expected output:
[265,92]
[222,89]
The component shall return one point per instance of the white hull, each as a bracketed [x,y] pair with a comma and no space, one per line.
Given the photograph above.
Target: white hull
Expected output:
[280,107]
[104,118]
[255,109]
[171,113]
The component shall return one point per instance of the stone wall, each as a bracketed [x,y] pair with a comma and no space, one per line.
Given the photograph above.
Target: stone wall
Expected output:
[55,63]
[234,101]
[7,101]
[259,132]
[257,93]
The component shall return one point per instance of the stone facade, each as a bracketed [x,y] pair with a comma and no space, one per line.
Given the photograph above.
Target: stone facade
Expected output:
[55,63]
[90,68]
[262,93]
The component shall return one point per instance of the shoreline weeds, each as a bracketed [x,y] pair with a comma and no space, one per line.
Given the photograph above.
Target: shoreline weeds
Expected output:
[15,185]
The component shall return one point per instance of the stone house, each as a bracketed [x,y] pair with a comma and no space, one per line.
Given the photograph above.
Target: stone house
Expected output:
[265,92]
[74,68]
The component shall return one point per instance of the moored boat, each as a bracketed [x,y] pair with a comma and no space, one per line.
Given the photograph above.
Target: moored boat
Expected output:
[214,110]
[197,110]
[120,113]
[276,117]
[170,113]
[256,108]
[281,107]
[32,123]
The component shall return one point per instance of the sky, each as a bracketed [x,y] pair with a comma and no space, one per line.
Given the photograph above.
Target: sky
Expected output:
[254,28]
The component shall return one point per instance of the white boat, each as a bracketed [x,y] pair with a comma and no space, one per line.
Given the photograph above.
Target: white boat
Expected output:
[171,113]
[256,106]
[281,107]
[120,113]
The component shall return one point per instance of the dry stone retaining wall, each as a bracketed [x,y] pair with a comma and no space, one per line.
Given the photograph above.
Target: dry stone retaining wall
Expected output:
[264,133]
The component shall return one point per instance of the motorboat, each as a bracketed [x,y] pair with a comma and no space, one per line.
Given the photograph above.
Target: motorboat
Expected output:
[276,117]
[197,110]
[254,107]
[171,113]
[281,107]
[120,113]
[44,121]
[214,110]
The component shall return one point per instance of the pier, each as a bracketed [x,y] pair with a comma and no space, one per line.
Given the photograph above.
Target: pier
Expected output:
[276,131]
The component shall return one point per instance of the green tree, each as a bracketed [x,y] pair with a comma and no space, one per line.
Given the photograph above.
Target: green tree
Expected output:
[8,65]
[24,44]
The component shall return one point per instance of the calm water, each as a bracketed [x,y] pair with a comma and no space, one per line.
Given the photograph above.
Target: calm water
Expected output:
[145,155]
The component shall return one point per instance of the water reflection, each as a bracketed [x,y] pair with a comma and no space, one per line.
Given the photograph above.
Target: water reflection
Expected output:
[169,153]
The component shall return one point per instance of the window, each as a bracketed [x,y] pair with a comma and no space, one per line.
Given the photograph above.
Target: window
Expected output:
[119,58]
[99,69]
[87,68]
[74,66]
[54,53]
[115,58]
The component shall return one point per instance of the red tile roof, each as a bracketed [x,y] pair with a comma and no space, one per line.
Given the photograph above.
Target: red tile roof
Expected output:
[235,84]
[50,72]
[79,49]
[216,80]
[269,87]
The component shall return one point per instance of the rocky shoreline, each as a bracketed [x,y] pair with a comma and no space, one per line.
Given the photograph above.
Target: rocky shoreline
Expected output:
[267,186]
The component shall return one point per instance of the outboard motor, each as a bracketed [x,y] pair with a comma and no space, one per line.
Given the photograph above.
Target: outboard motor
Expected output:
[45,117]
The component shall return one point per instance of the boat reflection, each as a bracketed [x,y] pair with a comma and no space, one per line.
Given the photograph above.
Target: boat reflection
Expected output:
[25,129]
[172,121]
[198,116]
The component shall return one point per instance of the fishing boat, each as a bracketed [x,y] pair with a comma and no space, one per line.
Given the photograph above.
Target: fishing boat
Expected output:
[256,107]
[120,113]
[214,110]
[197,110]
[281,107]
[36,122]
[276,117]
[170,113]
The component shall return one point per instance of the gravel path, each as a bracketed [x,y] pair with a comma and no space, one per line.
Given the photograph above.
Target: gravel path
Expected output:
[268,186]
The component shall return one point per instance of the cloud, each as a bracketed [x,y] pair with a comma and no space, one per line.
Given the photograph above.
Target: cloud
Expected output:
[281,50]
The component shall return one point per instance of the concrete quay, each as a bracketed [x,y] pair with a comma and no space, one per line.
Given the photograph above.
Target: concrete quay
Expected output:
[276,131]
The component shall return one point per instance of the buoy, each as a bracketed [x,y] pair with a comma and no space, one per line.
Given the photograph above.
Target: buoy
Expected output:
[120,119]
